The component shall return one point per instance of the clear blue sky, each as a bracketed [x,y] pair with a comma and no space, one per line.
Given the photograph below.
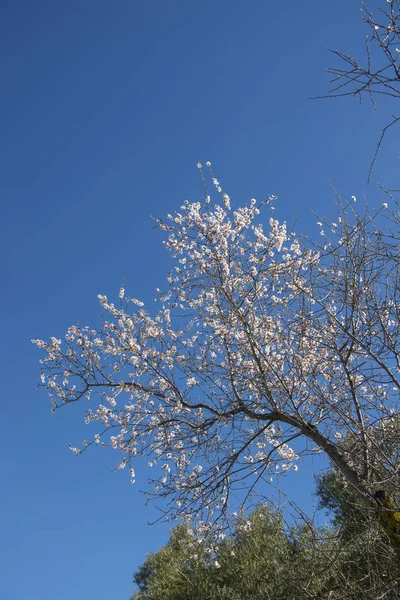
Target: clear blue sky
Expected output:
[105,109]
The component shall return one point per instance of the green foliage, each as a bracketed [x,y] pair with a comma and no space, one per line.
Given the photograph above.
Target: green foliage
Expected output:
[369,565]
[264,560]
[389,518]
[260,560]
[349,517]
[382,454]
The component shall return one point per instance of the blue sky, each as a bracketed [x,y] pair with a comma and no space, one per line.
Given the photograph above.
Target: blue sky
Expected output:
[106,108]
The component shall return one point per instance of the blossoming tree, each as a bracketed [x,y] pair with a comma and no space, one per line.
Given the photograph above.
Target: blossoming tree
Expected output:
[264,349]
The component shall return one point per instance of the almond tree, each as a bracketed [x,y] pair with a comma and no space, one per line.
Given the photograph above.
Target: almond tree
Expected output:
[265,348]
[379,73]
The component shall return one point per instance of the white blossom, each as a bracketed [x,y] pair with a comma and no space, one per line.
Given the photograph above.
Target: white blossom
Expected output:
[248,347]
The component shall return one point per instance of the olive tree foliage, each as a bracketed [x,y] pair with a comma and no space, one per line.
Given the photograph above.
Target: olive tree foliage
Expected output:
[259,560]
[340,498]
[264,558]
[266,348]
[365,549]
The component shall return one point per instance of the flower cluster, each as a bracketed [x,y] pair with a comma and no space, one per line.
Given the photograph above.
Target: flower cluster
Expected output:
[261,344]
